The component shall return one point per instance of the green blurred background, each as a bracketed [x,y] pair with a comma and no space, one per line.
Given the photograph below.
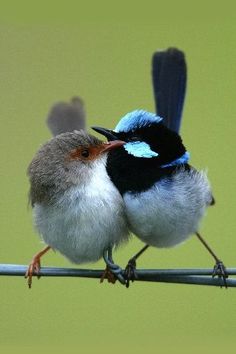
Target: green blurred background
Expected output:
[102,52]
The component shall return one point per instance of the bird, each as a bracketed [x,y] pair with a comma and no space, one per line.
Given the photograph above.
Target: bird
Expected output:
[77,210]
[165,197]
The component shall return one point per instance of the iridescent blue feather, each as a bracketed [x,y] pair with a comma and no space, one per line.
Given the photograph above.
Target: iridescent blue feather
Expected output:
[140,149]
[135,120]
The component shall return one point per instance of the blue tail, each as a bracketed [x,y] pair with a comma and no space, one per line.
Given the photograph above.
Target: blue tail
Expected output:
[169,74]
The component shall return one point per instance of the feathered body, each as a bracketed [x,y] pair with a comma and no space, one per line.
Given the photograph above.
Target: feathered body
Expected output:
[170,211]
[77,209]
[165,198]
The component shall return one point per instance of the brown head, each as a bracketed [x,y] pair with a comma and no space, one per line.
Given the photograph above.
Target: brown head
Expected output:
[63,161]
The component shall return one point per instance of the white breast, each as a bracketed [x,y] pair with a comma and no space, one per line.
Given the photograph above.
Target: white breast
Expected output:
[169,212]
[86,220]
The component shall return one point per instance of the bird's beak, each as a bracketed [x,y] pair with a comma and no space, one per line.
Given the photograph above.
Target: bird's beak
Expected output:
[110,145]
[112,137]
[108,133]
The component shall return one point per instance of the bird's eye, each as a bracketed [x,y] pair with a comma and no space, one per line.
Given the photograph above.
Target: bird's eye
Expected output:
[85,153]
[134,138]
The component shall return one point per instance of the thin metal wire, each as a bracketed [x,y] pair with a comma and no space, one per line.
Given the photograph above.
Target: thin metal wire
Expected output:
[180,276]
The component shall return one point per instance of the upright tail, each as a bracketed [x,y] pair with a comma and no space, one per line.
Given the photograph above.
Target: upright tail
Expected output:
[65,117]
[169,74]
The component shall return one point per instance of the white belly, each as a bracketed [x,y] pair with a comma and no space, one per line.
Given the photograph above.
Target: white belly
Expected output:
[84,222]
[169,212]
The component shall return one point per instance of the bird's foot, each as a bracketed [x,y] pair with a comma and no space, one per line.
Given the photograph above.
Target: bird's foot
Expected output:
[220,271]
[34,268]
[107,274]
[113,268]
[129,272]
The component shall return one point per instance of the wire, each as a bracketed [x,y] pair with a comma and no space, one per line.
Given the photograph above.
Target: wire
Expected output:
[180,276]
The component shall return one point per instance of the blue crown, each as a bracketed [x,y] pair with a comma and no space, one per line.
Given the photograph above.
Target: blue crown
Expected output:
[136,120]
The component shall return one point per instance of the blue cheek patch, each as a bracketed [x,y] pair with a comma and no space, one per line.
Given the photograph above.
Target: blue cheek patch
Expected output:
[140,149]
[180,161]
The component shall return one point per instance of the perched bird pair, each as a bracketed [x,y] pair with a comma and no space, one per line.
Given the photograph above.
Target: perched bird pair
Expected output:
[150,187]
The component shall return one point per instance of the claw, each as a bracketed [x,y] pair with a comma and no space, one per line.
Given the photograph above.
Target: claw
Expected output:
[220,271]
[112,268]
[34,268]
[107,274]
[129,272]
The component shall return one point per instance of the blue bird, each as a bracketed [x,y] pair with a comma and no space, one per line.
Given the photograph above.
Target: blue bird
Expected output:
[165,197]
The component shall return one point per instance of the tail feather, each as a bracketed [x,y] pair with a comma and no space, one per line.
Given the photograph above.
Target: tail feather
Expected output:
[65,117]
[169,74]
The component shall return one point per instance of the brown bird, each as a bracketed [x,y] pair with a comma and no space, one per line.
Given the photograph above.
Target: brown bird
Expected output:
[77,209]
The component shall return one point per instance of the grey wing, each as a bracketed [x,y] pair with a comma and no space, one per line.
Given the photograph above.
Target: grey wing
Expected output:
[39,194]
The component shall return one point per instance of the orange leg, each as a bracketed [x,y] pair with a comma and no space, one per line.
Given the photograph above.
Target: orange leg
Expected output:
[34,266]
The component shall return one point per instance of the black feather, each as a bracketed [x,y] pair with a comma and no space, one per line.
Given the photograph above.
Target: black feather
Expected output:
[169,74]
[135,174]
